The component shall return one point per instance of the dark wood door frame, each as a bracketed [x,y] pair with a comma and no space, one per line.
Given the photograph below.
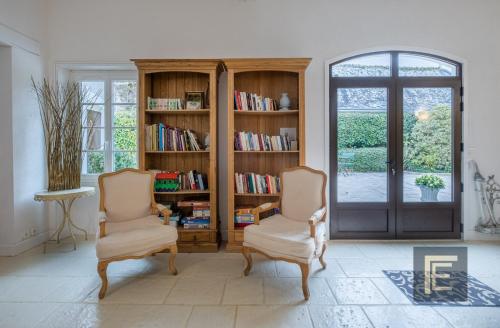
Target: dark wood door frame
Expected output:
[395,206]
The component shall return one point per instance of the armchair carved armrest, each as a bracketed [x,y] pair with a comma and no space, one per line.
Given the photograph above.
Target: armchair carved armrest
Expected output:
[101,218]
[317,217]
[164,211]
[263,208]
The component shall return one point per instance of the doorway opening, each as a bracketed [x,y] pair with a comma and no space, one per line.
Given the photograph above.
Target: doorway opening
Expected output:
[395,146]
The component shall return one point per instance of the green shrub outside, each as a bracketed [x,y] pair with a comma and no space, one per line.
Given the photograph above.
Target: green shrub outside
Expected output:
[365,159]
[426,142]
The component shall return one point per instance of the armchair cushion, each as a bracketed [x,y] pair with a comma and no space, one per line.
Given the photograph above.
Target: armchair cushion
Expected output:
[135,237]
[282,237]
[302,194]
[127,195]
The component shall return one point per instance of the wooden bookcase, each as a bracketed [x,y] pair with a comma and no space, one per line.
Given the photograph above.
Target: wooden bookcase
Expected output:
[159,78]
[269,78]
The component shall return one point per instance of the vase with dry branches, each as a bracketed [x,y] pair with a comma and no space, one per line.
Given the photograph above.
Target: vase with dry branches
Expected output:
[61,109]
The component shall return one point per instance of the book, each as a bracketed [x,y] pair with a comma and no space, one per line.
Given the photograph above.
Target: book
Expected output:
[248,141]
[164,103]
[252,183]
[175,181]
[161,137]
[246,101]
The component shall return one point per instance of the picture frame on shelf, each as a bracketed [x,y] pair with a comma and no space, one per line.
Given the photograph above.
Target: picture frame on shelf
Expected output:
[195,99]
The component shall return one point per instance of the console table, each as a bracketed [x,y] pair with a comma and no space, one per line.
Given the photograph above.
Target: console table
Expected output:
[65,199]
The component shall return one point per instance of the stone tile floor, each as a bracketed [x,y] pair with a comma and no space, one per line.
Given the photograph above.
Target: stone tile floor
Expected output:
[59,289]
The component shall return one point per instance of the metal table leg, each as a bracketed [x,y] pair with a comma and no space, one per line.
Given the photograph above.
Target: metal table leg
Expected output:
[66,208]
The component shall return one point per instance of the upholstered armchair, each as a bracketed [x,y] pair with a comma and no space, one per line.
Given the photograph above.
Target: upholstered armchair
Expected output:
[129,227]
[297,233]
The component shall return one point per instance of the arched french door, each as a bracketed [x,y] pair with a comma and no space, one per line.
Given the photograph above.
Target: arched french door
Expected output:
[395,146]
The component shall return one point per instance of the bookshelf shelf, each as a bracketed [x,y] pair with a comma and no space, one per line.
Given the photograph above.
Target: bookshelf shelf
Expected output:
[264,78]
[255,195]
[178,152]
[267,151]
[178,112]
[183,192]
[277,113]
[171,79]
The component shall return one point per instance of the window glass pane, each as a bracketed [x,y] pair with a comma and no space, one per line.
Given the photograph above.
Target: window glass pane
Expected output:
[124,91]
[93,139]
[123,160]
[362,144]
[93,162]
[125,139]
[427,144]
[361,99]
[93,116]
[94,91]
[125,115]
[364,66]
[419,65]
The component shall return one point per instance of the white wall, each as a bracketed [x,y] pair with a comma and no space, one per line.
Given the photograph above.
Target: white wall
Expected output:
[114,31]
[23,222]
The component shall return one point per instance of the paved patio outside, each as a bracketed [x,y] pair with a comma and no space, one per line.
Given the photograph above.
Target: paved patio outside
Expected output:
[372,187]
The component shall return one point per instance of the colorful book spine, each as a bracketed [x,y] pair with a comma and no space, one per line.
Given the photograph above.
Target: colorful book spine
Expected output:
[248,141]
[246,101]
[161,137]
[252,183]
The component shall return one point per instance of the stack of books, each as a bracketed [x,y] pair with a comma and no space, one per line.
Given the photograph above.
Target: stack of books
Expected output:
[252,102]
[200,218]
[174,181]
[251,183]
[249,141]
[167,181]
[243,217]
[164,103]
[161,137]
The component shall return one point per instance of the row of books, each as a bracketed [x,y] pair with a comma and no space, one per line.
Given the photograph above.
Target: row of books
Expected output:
[174,181]
[253,102]
[252,183]
[161,137]
[243,217]
[249,141]
[164,103]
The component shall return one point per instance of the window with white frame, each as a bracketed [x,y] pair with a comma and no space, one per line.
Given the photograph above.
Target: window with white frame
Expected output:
[110,124]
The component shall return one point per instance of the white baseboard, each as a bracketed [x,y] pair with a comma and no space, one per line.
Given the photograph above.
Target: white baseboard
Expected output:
[471,235]
[24,245]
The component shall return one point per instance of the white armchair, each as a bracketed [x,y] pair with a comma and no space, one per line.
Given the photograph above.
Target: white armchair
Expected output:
[297,234]
[129,227]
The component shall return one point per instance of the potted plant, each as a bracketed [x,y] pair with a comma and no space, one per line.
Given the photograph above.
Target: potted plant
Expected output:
[429,187]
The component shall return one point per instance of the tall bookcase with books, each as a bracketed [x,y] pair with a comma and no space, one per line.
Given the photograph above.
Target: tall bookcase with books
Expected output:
[262,138]
[178,141]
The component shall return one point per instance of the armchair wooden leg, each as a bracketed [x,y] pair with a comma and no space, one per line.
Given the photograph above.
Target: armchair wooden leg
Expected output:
[248,256]
[304,267]
[171,261]
[321,259]
[102,266]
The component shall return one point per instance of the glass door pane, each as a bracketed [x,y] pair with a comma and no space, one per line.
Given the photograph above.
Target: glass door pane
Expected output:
[427,144]
[362,144]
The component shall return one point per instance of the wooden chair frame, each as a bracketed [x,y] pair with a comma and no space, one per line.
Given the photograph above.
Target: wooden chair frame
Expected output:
[317,217]
[102,265]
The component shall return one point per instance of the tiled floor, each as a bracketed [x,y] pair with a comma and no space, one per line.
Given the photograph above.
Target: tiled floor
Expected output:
[59,289]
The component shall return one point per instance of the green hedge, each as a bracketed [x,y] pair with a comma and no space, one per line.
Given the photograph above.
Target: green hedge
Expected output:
[358,130]
[364,159]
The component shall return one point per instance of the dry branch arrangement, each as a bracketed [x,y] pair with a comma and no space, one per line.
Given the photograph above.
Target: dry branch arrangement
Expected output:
[61,109]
